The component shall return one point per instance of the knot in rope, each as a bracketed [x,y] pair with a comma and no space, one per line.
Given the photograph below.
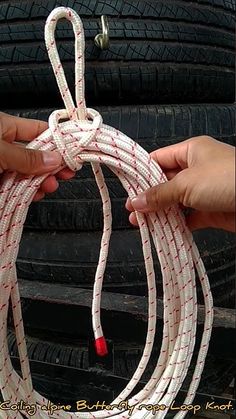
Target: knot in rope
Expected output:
[74,136]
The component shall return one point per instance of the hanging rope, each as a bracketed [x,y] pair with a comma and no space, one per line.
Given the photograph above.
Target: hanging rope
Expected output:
[84,138]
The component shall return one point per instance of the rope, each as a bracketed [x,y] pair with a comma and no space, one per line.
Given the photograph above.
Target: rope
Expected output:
[82,137]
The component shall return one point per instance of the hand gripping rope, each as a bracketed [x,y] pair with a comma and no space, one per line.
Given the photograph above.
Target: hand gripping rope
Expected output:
[84,138]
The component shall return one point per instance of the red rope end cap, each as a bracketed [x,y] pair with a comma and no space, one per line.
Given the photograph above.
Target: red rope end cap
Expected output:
[101,346]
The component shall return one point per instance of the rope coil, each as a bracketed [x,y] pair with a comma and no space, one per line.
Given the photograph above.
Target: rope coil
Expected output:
[84,138]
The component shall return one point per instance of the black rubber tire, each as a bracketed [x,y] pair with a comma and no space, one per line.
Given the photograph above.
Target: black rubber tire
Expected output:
[72,258]
[217,374]
[162,50]
[77,205]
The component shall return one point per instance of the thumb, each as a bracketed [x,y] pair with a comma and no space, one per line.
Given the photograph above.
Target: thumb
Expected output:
[158,197]
[27,161]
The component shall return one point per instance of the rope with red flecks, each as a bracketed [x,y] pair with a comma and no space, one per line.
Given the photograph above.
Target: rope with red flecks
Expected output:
[83,137]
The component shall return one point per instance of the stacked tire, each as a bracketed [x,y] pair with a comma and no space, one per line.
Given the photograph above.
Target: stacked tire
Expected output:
[161,51]
[168,75]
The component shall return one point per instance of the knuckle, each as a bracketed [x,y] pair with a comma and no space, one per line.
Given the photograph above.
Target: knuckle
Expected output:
[181,190]
[152,197]
[202,140]
[32,159]
[156,196]
[3,163]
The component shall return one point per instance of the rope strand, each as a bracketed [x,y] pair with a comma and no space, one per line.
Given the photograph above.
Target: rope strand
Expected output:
[84,138]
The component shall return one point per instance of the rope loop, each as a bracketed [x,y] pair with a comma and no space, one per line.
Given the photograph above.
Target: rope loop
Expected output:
[71,15]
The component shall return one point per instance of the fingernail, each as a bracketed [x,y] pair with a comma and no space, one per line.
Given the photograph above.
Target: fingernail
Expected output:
[139,202]
[51,158]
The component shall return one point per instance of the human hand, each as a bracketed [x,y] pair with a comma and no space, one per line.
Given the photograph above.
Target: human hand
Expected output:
[201,176]
[26,161]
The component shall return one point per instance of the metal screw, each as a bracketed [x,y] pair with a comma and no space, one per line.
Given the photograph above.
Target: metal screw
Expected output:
[102,39]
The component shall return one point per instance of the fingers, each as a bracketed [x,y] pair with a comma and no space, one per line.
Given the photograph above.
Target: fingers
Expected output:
[171,173]
[128,205]
[38,196]
[65,174]
[133,219]
[176,156]
[26,161]
[158,197]
[172,157]
[13,128]
[200,219]
[49,185]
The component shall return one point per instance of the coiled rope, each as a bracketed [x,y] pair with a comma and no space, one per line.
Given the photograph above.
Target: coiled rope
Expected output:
[84,138]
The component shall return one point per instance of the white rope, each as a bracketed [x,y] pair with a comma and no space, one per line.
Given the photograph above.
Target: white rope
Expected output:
[84,138]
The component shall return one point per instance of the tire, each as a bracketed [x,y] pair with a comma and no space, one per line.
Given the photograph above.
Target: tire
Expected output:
[216,377]
[71,258]
[76,205]
[159,51]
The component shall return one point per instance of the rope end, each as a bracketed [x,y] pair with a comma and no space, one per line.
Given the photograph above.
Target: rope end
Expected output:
[101,346]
